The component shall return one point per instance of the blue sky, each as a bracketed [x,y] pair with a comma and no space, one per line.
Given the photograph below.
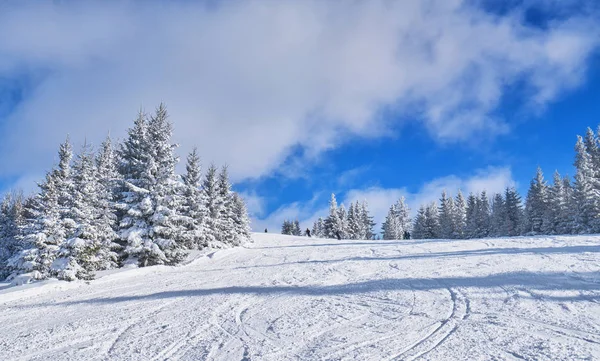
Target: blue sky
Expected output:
[373,100]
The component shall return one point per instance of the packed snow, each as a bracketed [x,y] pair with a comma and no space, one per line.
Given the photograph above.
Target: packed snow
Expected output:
[297,298]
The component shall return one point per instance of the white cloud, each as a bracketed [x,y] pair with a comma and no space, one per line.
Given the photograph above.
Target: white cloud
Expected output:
[247,81]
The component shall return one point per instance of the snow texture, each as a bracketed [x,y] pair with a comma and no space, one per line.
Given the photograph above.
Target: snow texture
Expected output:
[299,298]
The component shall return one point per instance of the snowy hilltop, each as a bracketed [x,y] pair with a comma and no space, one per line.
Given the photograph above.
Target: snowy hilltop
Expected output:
[300,298]
[123,204]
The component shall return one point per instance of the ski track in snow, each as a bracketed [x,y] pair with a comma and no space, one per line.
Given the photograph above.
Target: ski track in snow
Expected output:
[294,298]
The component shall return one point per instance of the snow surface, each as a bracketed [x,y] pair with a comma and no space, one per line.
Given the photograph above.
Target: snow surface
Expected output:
[296,298]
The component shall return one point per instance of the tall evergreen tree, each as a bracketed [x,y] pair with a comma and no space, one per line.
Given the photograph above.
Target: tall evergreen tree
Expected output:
[513,222]
[333,224]
[152,226]
[420,225]
[193,205]
[460,216]
[498,216]
[586,194]
[366,221]
[213,205]
[447,216]
[471,223]
[226,225]
[91,246]
[536,205]
[483,215]
[391,227]
[241,219]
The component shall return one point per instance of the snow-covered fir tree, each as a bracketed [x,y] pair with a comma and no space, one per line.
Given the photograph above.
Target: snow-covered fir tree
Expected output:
[460,216]
[333,224]
[12,223]
[447,216]
[318,229]
[50,222]
[498,216]
[513,213]
[213,205]
[390,228]
[586,191]
[420,224]
[291,228]
[471,217]
[241,219]
[152,226]
[427,222]
[483,215]
[194,204]
[536,206]
[354,222]
[397,222]
[366,221]
[226,233]
[91,247]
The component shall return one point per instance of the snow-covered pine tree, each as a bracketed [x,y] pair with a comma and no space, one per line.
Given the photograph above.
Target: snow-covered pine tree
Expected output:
[286,227]
[367,223]
[460,216]
[497,218]
[319,228]
[432,225]
[193,206]
[390,227]
[571,206]
[419,227]
[12,222]
[354,221]
[447,216]
[342,217]
[63,179]
[333,224]
[44,233]
[50,222]
[536,205]
[471,222]
[91,247]
[226,224]
[483,215]
[152,225]
[241,220]
[296,231]
[513,222]
[108,179]
[556,216]
[585,192]
[213,205]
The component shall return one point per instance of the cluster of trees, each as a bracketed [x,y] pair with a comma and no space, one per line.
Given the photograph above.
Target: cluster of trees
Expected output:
[475,217]
[291,228]
[563,207]
[123,203]
[397,224]
[356,223]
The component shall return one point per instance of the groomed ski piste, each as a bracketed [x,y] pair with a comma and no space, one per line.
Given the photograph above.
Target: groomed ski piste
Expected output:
[298,298]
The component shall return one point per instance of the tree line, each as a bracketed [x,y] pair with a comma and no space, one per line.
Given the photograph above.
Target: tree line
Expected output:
[567,206]
[123,203]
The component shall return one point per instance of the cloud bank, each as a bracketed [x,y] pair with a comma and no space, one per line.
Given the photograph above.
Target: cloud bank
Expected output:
[249,81]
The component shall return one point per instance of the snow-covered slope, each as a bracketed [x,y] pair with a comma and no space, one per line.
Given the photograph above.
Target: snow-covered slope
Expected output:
[312,299]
